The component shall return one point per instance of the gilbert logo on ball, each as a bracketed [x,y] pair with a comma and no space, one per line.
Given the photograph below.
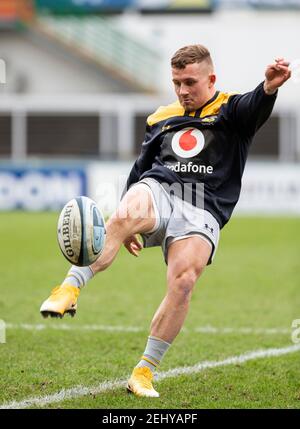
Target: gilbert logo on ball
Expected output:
[188,142]
[81,231]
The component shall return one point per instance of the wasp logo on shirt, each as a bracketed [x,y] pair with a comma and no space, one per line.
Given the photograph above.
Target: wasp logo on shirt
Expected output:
[188,142]
[209,119]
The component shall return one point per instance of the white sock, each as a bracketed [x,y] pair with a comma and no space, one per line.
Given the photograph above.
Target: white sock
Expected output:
[154,352]
[78,276]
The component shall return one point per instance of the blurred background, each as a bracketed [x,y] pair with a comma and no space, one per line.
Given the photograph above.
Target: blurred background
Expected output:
[77,80]
[79,77]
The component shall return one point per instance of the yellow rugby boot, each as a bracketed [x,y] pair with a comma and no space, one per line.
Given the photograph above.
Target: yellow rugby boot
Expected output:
[140,382]
[63,299]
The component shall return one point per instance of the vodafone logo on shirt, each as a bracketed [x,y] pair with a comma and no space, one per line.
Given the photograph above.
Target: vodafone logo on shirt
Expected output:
[188,142]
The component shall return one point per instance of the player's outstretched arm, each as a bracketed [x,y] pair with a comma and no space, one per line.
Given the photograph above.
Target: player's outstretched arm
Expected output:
[248,112]
[276,74]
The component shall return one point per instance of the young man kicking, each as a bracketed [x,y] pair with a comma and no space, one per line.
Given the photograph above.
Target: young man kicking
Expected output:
[181,191]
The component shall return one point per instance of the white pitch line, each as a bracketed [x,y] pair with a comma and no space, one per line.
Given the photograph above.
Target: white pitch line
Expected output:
[109,328]
[65,327]
[243,330]
[81,391]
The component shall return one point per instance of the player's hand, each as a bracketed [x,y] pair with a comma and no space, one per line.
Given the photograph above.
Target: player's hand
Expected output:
[133,245]
[276,74]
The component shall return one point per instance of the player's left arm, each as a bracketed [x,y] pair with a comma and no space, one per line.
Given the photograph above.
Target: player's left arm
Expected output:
[276,74]
[248,112]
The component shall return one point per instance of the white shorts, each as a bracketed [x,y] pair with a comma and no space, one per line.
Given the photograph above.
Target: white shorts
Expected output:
[177,219]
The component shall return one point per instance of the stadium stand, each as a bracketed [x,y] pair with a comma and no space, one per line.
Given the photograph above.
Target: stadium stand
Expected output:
[99,40]
[94,39]
[113,122]
[15,12]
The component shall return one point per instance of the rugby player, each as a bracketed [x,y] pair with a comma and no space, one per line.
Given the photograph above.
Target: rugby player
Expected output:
[181,191]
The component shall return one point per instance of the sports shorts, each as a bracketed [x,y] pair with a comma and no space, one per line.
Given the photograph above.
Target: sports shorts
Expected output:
[177,219]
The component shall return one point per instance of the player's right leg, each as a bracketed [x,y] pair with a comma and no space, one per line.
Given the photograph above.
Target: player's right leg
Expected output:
[186,261]
[135,214]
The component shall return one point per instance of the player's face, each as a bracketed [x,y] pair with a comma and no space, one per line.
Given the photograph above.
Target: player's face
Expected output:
[193,85]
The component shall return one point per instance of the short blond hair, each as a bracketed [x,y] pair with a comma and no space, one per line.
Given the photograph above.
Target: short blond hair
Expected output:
[190,54]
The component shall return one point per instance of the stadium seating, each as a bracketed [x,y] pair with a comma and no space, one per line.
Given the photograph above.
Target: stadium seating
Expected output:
[15,11]
[99,40]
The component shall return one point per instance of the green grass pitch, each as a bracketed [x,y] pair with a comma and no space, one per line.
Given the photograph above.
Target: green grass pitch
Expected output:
[253,283]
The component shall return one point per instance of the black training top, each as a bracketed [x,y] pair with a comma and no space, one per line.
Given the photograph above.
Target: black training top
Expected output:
[209,147]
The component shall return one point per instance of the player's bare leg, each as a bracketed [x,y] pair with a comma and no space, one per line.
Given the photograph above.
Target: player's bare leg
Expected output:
[134,214]
[182,275]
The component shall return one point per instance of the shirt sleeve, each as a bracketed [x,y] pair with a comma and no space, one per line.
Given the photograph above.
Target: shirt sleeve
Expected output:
[143,162]
[248,112]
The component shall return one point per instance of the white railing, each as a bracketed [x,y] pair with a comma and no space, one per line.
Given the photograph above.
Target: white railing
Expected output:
[122,108]
[117,113]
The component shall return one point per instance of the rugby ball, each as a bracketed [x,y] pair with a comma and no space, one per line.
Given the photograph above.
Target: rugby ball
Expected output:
[81,231]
